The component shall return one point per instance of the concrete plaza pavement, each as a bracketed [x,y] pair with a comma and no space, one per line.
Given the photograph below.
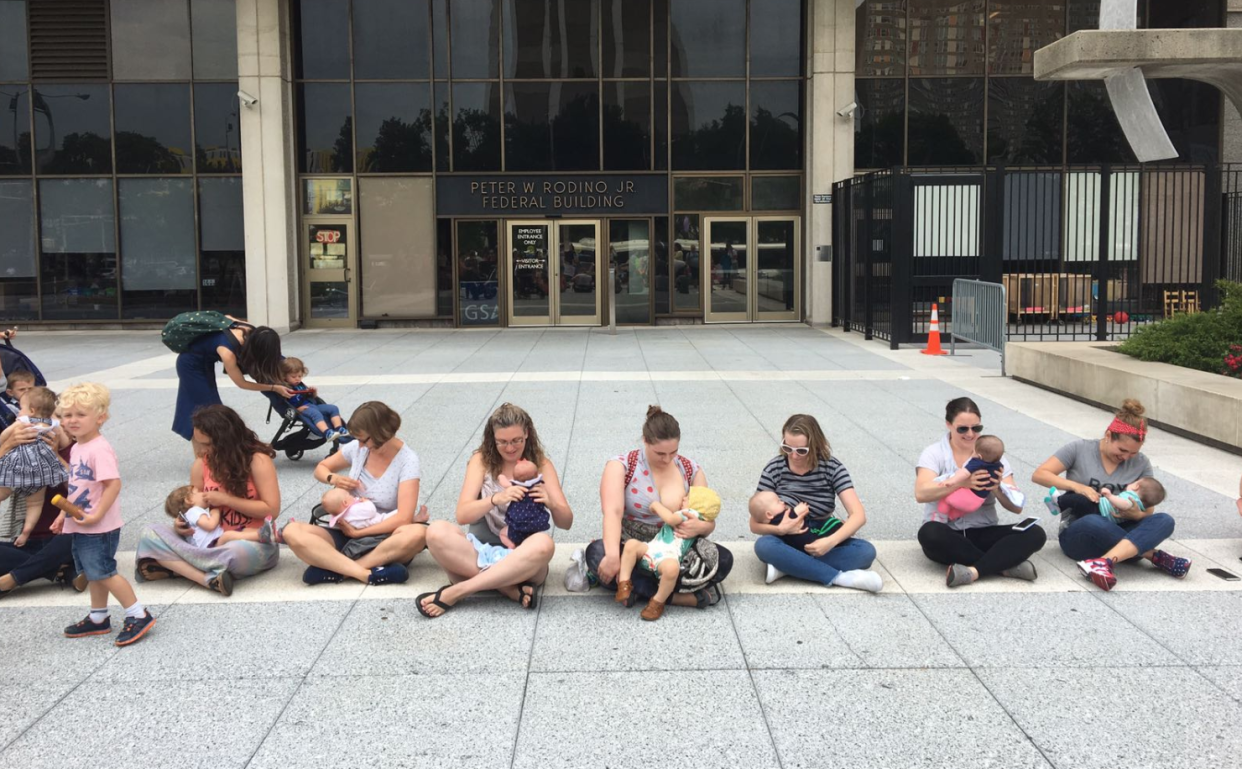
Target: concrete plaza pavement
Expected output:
[1000,674]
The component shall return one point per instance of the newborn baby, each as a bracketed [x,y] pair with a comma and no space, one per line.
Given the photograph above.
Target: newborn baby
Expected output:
[526,516]
[358,512]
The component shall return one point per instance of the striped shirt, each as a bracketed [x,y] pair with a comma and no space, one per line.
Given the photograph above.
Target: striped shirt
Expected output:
[818,488]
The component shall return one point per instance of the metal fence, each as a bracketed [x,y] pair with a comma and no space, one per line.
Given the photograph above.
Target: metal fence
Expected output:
[980,315]
[1084,252]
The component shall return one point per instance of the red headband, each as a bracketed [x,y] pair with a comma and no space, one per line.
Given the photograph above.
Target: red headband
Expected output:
[1121,428]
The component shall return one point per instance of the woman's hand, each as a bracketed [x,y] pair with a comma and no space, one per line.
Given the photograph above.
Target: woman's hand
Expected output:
[1089,493]
[283,392]
[346,483]
[982,480]
[693,527]
[344,527]
[24,433]
[820,546]
[182,528]
[217,498]
[539,494]
[793,523]
[608,568]
[509,495]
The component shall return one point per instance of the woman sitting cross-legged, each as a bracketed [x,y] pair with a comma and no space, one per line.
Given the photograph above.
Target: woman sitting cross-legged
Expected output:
[381,467]
[477,560]
[794,509]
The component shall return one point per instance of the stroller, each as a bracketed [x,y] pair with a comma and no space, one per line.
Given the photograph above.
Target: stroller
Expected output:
[297,434]
[13,359]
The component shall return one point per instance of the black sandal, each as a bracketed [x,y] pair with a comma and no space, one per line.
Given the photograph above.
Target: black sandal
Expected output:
[435,599]
[150,571]
[708,596]
[533,595]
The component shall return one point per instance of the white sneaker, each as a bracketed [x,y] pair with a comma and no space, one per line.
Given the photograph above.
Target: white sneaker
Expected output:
[773,574]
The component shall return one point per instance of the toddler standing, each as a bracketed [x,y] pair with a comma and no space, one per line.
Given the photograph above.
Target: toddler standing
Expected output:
[94,487]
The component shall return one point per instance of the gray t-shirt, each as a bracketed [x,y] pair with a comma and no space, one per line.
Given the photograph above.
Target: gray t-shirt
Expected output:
[1082,465]
[383,490]
[938,458]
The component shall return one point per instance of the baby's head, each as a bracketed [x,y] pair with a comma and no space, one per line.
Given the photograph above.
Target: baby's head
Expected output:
[703,501]
[766,505]
[336,500]
[990,448]
[1149,490]
[39,402]
[182,499]
[525,470]
[293,370]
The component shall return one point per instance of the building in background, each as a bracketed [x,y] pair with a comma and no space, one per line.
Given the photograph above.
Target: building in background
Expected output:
[488,162]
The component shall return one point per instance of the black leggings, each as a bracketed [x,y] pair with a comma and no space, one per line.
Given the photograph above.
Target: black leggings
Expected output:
[645,583]
[39,559]
[990,549]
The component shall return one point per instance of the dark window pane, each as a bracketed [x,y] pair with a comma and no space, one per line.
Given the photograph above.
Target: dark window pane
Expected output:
[150,40]
[444,268]
[551,127]
[709,193]
[775,38]
[13,53]
[1024,121]
[686,264]
[217,137]
[390,39]
[474,26]
[629,251]
[627,126]
[946,37]
[222,266]
[476,126]
[776,193]
[439,36]
[660,271]
[1190,111]
[323,37]
[394,127]
[1019,28]
[14,130]
[158,262]
[776,125]
[152,129]
[214,24]
[659,123]
[1093,134]
[442,121]
[879,123]
[79,249]
[881,38]
[946,121]
[1085,14]
[550,39]
[18,295]
[477,285]
[659,37]
[709,126]
[1183,15]
[709,38]
[325,129]
[627,37]
[73,129]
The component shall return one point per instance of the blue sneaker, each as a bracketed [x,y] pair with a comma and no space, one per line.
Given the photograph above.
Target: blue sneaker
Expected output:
[317,576]
[135,629]
[391,574]
[86,627]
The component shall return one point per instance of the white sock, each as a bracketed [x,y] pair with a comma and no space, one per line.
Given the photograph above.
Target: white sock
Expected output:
[99,615]
[136,611]
[860,579]
[773,574]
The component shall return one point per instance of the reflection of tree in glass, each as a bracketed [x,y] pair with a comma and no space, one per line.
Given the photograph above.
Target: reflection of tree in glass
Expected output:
[343,149]
[138,154]
[878,144]
[476,141]
[1093,131]
[15,160]
[720,144]
[568,143]
[625,141]
[1040,130]
[775,140]
[80,153]
[399,146]
[934,140]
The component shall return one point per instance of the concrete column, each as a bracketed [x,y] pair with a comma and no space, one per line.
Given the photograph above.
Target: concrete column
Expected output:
[831,137]
[269,179]
[1231,149]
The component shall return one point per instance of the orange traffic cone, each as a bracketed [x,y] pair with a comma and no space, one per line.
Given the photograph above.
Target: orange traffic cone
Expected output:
[933,336]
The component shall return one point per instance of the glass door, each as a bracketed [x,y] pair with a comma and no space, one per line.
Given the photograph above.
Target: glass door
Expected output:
[777,273]
[754,269]
[554,275]
[725,281]
[328,256]
[579,275]
[530,273]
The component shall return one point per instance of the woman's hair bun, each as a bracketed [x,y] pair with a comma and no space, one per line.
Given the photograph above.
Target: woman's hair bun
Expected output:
[653,410]
[1133,408]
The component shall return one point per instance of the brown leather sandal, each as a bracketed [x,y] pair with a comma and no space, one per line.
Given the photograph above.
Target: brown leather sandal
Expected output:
[624,589]
[654,610]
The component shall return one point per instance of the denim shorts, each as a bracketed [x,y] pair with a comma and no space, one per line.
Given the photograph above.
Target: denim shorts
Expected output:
[95,554]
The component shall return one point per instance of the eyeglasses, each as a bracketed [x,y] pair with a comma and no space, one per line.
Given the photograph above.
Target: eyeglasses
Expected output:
[506,444]
[963,429]
[801,451]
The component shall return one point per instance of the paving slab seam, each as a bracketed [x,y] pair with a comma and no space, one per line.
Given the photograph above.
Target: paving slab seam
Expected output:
[750,676]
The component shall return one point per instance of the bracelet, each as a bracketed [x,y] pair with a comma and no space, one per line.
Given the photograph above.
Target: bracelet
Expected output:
[329,481]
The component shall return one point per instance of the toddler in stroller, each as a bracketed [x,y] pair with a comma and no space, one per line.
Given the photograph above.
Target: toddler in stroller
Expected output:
[305,417]
[17,384]
[305,400]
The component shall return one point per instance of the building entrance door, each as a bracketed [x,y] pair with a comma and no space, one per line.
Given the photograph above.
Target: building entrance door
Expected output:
[328,253]
[753,268]
[554,273]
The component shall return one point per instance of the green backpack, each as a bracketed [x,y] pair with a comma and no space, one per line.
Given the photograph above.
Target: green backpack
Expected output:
[182,330]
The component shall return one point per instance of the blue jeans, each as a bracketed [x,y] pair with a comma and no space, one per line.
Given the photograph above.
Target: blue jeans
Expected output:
[853,553]
[322,412]
[95,554]
[1094,535]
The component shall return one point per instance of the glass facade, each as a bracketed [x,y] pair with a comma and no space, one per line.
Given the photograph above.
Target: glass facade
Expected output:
[125,195]
[949,82]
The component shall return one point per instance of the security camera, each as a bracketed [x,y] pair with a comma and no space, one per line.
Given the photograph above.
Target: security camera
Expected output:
[247,99]
[848,109]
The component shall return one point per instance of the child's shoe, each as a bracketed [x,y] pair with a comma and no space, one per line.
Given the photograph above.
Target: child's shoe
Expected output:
[625,588]
[87,627]
[135,628]
[654,610]
[1170,564]
[1099,571]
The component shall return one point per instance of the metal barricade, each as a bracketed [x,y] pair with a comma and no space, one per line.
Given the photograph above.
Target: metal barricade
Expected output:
[978,315]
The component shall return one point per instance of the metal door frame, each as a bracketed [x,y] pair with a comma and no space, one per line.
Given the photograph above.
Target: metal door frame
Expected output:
[554,273]
[345,274]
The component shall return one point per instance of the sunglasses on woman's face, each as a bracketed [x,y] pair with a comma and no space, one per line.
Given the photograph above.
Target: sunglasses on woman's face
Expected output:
[801,451]
[963,429]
